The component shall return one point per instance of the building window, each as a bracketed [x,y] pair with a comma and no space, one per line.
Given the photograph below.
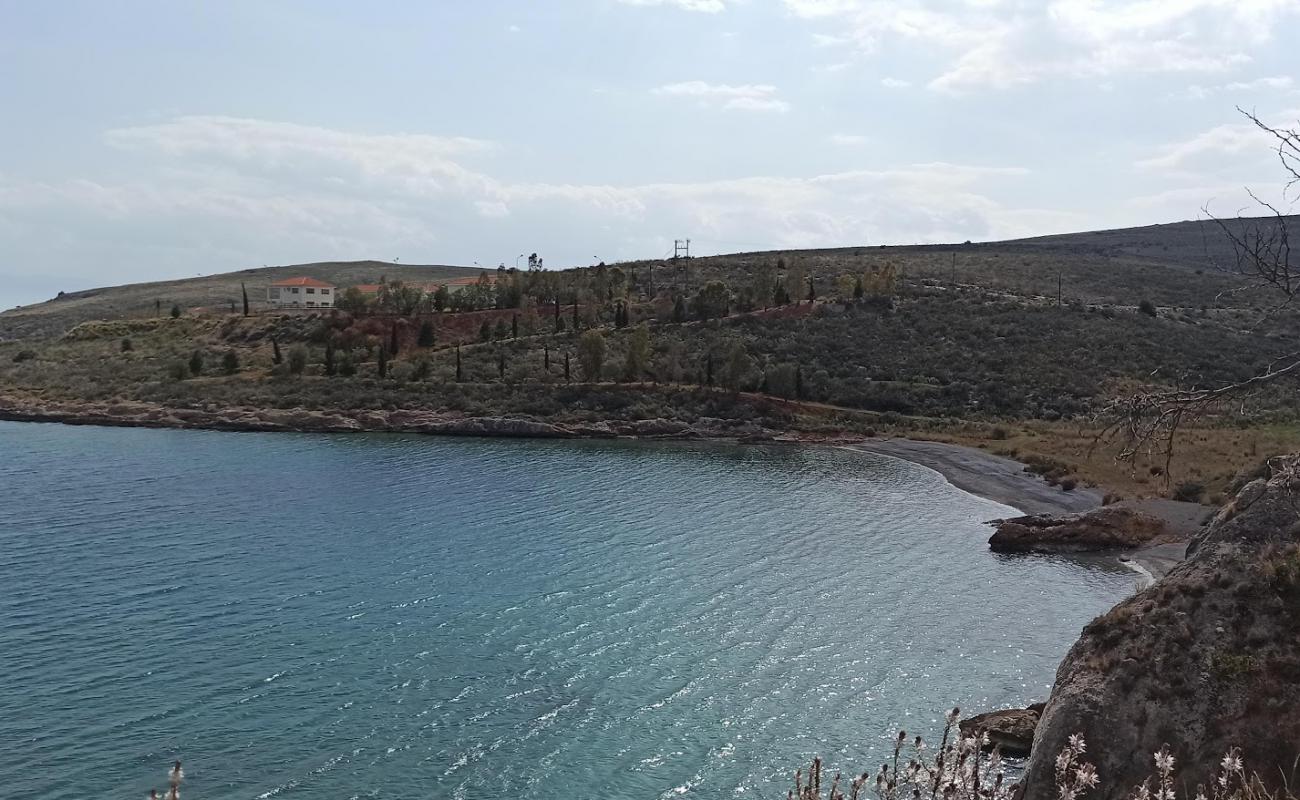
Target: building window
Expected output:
[311,291]
[294,290]
[311,302]
[324,291]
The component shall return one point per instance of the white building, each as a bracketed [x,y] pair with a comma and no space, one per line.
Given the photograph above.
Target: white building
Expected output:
[301,293]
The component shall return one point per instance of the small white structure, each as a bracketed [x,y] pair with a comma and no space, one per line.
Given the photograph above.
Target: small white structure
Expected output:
[301,293]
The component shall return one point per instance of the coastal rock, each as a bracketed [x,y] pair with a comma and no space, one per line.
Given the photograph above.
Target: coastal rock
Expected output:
[595,430]
[1010,729]
[1108,528]
[499,426]
[658,427]
[1206,659]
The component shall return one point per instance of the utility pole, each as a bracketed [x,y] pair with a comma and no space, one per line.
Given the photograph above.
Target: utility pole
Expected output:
[682,249]
[954,268]
[1058,288]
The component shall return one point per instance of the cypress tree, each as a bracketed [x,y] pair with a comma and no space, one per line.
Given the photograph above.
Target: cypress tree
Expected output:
[559,323]
[566,366]
[276,358]
[426,338]
[458,373]
[330,368]
[383,361]
[708,370]
[546,357]
[392,341]
[157,308]
[244,290]
[514,327]
[575,312]
[812,291]
[798,382]
[501,364]
[679,309]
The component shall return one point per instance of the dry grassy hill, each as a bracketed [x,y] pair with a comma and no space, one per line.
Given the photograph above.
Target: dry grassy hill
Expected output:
[59,315]
[1184,265]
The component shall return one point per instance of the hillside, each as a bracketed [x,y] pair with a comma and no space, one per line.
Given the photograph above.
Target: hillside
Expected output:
[971,343]
[60,314]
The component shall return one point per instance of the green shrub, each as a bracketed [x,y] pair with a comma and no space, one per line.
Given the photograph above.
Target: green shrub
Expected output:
[127,345]
[426,335]
[178,370]
[24,355]
[196,362]
[230,362]
[347,364]
[297,359]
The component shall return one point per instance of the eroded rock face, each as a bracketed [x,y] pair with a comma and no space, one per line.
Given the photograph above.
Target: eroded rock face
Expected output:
[1109,528]
[1206,659]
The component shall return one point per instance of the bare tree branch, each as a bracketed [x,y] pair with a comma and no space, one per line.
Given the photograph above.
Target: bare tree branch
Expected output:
[1147,422]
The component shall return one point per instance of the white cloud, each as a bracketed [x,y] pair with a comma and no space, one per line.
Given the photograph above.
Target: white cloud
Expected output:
[985,43]
[252,192]
[847,139]
[492,209]
[1217,148]
[706,6]
[894,83]
[745,97]
[1274,83]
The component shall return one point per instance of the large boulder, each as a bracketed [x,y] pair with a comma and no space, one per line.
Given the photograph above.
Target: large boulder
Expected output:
[1011,730]
[1108,528]
[1206,659]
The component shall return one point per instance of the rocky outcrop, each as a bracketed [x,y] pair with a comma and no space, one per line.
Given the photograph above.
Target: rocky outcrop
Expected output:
[1206,659]
[1108,528]
[132,414]
[1011,730]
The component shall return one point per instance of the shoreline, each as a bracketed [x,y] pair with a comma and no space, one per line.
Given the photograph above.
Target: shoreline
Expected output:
[1002,480]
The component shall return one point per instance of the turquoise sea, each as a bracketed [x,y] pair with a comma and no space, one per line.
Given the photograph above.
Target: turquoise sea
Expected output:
[301,616]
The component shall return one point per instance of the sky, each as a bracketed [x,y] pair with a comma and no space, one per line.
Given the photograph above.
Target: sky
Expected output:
[154,140]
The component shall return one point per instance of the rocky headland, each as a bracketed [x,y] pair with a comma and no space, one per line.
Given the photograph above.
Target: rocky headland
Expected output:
[1206,659]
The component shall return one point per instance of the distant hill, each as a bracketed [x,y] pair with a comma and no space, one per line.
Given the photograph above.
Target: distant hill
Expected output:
[56,316]
[1195,244]
[1112,266]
